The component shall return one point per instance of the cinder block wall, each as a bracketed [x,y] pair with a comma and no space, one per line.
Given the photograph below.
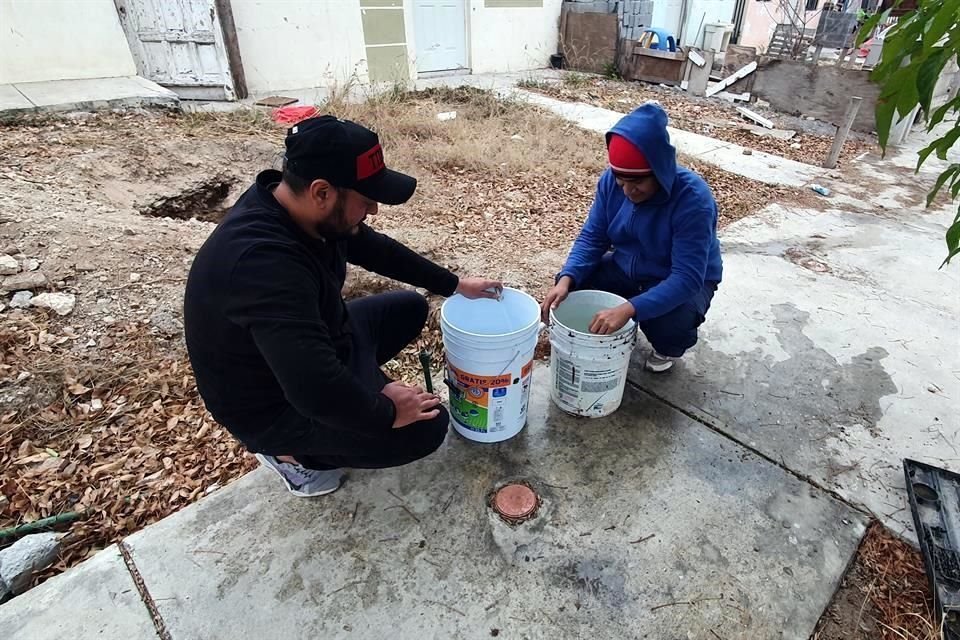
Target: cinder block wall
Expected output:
[634,15]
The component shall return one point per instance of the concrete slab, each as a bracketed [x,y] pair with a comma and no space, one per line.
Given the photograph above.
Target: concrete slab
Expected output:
[11,99]
[97,599]
[97,93]
[739,546]
[833,344]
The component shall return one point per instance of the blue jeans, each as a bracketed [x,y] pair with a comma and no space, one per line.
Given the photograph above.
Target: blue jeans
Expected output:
[670,334]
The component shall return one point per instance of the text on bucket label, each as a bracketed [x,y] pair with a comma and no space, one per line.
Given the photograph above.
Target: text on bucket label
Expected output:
[479,403]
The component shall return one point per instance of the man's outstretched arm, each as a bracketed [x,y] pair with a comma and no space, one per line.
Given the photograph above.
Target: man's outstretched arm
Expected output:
[382,254]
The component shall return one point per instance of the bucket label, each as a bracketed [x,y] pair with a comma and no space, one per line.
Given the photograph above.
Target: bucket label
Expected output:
[480,403]
[571,381]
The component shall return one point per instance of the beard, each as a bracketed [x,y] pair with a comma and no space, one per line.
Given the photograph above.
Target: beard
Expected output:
[336,227]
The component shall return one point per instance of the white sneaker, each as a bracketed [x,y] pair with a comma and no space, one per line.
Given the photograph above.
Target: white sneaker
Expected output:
[303,482]
[658,363]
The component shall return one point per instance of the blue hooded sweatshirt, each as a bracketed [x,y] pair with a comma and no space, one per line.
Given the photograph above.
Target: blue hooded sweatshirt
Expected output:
[667,245]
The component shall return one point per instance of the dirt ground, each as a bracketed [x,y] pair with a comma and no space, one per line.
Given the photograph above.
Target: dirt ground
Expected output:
[99,411]
[709,116]
[884,595]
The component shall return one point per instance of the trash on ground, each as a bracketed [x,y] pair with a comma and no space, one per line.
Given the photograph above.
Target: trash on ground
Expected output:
[275,101]
[756,117]
[293,115]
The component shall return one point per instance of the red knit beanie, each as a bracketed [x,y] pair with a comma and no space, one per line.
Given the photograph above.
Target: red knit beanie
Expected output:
[625,158]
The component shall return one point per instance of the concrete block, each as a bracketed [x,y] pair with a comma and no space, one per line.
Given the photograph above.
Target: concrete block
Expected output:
[253,561]
[795,87]
[99,93]
[97,599]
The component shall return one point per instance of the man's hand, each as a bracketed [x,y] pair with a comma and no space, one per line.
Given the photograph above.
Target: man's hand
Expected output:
[612,320]
[413,403]
[557,294]
[474,288]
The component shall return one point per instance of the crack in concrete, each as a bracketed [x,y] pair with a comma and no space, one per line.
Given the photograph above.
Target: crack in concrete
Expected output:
[700,417]
[145,596]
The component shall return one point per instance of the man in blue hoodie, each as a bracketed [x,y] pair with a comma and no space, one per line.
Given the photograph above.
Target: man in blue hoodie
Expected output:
[651,237]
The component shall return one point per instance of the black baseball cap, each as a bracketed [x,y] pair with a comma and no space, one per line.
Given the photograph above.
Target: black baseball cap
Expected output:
[347,155]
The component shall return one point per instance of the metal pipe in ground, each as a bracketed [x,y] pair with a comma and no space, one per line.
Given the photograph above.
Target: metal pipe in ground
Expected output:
[842,132]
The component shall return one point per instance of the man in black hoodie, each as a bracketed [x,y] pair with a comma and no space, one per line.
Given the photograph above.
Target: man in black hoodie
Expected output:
[281,360]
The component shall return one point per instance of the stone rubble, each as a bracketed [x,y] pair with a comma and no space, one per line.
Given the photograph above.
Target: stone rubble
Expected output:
[25,557]
[61,303]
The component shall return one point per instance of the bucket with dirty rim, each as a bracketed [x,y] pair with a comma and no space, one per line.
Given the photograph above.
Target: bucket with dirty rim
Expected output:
[588,371]
[490,345]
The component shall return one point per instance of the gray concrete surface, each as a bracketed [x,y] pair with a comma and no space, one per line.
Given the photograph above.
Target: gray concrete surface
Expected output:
[11,99]
[83,95]
[97,599]
[802,89]
[739,545]
[833,344]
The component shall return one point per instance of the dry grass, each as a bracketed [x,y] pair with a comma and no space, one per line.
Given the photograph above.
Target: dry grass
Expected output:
[885,595]
[122,437]
[900,592]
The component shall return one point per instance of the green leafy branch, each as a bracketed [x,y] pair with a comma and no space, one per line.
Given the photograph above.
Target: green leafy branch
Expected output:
[915,52]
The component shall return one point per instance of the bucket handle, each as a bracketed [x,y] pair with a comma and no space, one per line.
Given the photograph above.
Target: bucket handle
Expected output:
[517,352]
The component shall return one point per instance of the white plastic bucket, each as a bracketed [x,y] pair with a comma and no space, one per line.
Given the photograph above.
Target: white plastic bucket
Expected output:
[490,345]
[588,371]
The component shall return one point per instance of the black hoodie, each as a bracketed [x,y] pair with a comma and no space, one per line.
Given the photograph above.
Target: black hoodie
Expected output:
[267,328]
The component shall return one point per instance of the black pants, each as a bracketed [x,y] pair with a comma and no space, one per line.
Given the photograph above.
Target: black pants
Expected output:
[670,334]
[382,326]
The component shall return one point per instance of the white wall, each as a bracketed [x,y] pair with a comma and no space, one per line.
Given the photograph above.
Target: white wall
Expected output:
[295,44]
[703,12]
[760,19]
[666,15]
[61,40]
[512,39]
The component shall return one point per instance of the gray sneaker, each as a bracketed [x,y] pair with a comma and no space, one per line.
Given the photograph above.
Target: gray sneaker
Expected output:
[303,482]
[658,363]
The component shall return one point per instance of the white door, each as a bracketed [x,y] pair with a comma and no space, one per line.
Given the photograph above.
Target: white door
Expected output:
[178,44]
[440,31]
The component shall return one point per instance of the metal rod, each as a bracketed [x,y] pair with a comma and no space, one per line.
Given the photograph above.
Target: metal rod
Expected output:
[41,524]
[425,364]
